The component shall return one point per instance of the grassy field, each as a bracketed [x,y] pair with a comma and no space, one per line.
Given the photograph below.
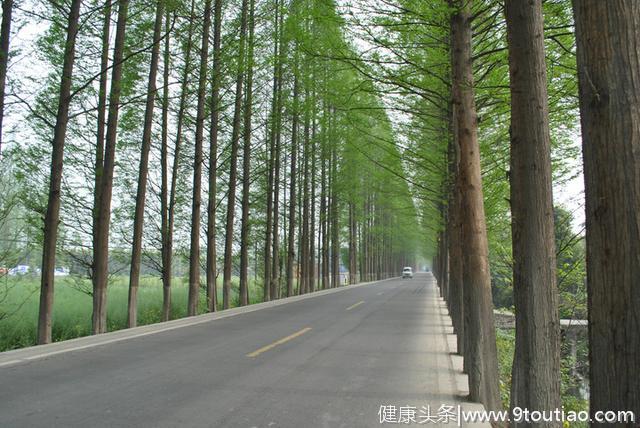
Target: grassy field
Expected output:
[19,300]
[506,347]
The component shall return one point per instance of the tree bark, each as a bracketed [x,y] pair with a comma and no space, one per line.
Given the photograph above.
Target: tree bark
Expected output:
[168,238]
[324,257]
[101,245]
[292,182]
[535,380]
[233,172]
[608,36]
[304,241]
[212,289]
[481,354]
[143,171]
[164,183]
[5,35]
[312,226]
[52,215]
[246,166]
[269,229]
[194,253]
[335,238]
[102,114]
[456,289]
[352,243]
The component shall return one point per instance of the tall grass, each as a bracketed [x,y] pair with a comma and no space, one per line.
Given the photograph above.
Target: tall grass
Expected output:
[73,306]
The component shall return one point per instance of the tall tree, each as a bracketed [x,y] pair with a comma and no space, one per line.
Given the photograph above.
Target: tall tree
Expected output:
[291,253]
[212,289]
[456,289]
[170,200]
[333,213]
[246,165]
[608,36]
[102,116]
[164,178]
[535,380]
[324,217]
[5,35]
[143,170]
[52,215]
[480,349]
[304,182]
[352,243]
[194,255]
[103,218]
[233,171]
[312,226]
[269,229]
[275,269]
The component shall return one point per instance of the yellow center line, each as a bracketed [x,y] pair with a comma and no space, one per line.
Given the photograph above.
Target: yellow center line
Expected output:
[278,342]
[355,305]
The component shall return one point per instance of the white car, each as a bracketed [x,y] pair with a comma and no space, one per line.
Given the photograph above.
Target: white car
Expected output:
[407,273]
[19,270]
[61,271]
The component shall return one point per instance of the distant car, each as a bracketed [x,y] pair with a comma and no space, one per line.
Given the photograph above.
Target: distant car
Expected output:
[19,270]
[61,271]
[407,273]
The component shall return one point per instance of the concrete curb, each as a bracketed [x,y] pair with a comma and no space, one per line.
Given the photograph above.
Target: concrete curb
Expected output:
[456,366]
[31,353]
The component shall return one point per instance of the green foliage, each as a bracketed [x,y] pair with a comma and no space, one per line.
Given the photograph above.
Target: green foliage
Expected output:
[570,384]
[72,307]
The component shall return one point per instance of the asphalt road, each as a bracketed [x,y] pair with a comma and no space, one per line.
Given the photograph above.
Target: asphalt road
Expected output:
[326,361]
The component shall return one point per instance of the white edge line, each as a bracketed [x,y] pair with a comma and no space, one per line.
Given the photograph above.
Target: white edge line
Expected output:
[127,334]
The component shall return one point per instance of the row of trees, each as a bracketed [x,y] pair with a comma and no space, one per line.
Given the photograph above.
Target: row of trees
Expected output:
[305,158]
[216,129]
[472,75]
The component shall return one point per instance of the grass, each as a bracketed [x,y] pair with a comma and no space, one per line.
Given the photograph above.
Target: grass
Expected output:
[19,302]
[506,348]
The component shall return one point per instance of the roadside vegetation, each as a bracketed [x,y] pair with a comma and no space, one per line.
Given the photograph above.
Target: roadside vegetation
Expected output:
[72,311]
[273,148]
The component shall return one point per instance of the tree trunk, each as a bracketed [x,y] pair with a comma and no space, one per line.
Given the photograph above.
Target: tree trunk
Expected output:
[246,165]
[164,184]
[352,243]
[102,114]
[138,221]
[233,172]
[608,36]
[168,245]
[335,243]
[292,183]
[304,241]
[101,245]
[481,354]
[5,34]
[212,289]
[53,204]
[275,275]
[269,229]
[323,272]
[194,253]
[456,296]
[312,226]
[275,271]
[535,380]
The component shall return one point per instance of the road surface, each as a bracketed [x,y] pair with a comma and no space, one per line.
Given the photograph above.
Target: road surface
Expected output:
[330,360]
